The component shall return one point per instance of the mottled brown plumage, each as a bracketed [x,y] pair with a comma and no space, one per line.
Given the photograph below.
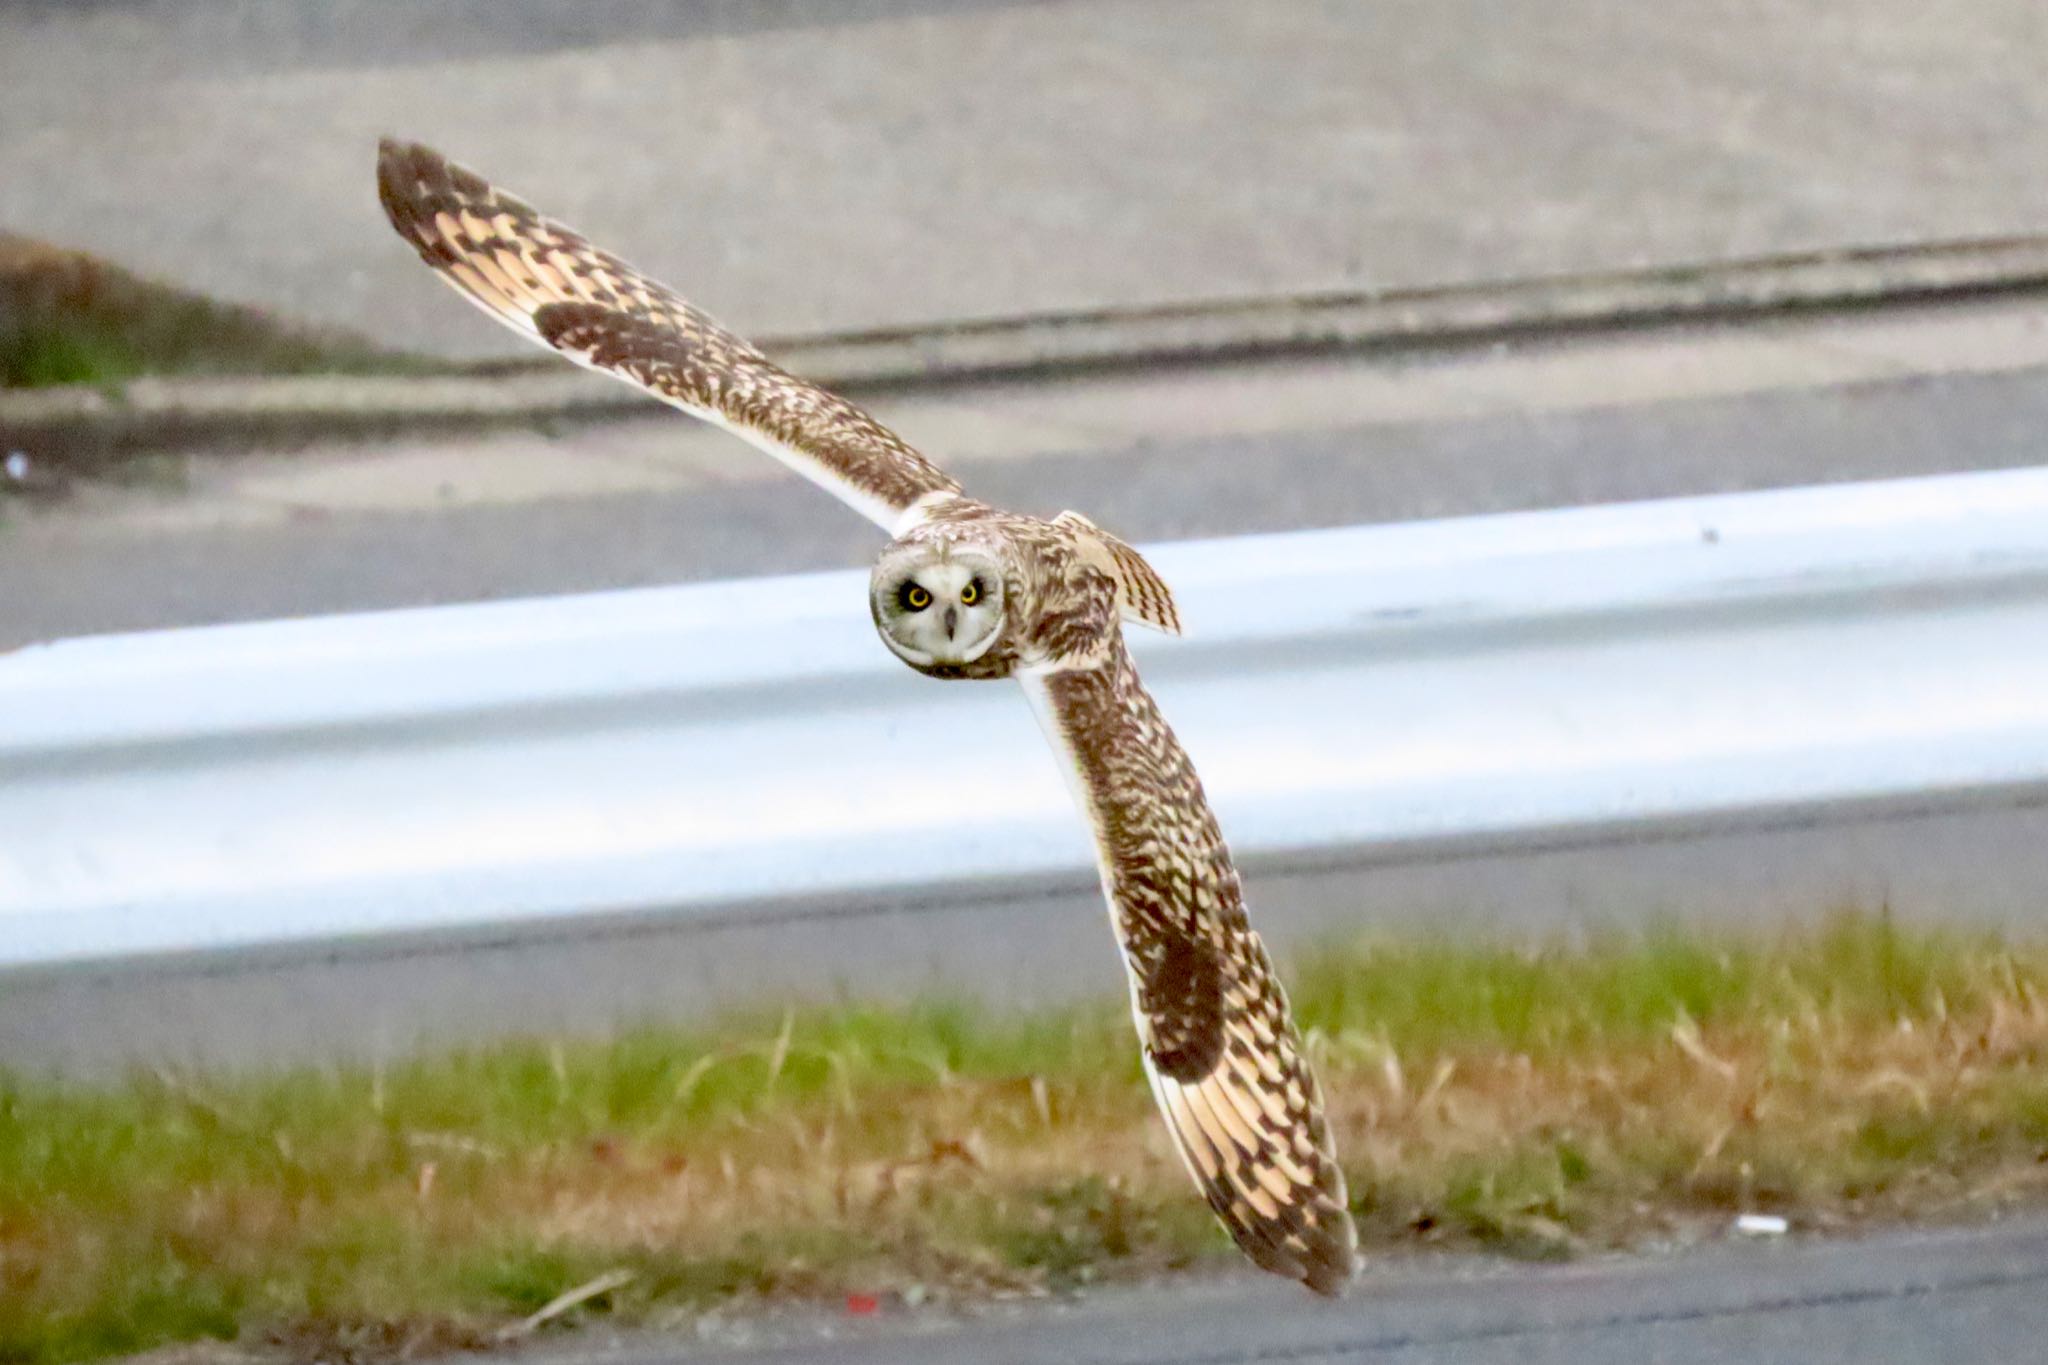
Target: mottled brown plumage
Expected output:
[1041,601]
[1220,1045]
[547,282]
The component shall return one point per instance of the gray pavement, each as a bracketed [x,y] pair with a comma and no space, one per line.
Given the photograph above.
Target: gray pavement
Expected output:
[1961,1296]
[1186,453]
[803,165]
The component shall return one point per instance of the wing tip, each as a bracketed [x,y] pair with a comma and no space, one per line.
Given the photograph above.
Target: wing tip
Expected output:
[1332,1277]
[407,173]
[414,182]
[402,165]
[1305,1234]
[1316,1244]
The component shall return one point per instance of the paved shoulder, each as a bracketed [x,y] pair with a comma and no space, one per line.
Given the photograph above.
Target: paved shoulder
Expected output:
[1180,453]
[1959,1295]
[821,165]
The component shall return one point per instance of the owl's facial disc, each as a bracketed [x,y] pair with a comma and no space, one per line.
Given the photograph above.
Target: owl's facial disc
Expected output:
[937,604]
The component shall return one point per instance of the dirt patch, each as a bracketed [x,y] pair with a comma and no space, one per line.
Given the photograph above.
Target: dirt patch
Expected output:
[67,317]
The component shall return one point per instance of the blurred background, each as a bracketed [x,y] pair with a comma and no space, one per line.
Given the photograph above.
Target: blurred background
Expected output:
[810,171]
[1617,790]
[808,167]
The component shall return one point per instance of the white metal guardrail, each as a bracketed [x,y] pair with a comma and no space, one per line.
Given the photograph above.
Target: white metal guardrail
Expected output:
[1527,677]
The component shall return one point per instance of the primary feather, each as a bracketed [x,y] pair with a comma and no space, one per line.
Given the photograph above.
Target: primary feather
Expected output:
[548,283]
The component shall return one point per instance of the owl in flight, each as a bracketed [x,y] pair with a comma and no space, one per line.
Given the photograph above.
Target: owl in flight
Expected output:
[965,590]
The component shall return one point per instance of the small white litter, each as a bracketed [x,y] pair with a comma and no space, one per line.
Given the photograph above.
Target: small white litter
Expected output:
[1761,1225]
[16,466]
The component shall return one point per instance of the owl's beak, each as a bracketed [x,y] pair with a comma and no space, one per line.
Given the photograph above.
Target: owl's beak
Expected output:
[952,621]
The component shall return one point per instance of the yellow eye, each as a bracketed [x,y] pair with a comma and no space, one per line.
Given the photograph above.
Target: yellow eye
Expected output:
[970,594]
[916,598]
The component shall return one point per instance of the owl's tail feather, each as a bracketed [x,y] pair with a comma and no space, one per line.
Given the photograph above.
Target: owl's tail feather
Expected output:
[1143,594]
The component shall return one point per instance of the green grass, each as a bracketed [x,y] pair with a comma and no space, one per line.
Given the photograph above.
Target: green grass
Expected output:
[1537,1102]
[68,318]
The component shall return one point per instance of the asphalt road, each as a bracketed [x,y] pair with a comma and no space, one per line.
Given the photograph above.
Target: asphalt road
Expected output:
[1896,1299]
[799,165]
[1202,452]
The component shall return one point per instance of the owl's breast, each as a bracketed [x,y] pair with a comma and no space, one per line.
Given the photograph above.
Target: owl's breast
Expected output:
[1069,610]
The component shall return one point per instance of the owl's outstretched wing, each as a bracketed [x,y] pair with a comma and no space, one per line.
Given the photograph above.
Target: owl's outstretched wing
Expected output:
[547,282]
[1220,1045]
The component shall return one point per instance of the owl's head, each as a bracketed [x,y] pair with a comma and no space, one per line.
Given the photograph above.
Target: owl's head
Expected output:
[938,603]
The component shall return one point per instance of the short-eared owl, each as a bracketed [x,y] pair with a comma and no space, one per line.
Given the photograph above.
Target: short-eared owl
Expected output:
[964,590]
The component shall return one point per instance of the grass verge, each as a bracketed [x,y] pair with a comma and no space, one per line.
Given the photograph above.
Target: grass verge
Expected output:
[1541,1101]
[70,318]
